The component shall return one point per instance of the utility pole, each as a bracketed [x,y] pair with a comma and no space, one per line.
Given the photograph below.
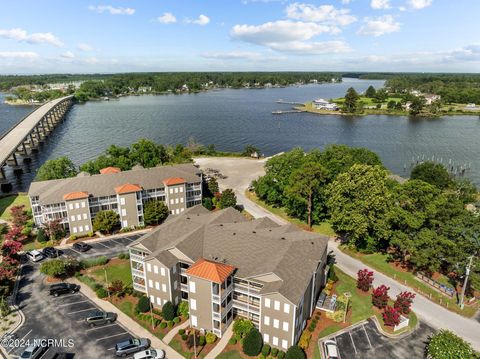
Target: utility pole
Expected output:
[106,281]
[467,273]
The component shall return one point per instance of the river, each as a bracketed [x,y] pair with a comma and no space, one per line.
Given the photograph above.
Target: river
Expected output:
[232,118]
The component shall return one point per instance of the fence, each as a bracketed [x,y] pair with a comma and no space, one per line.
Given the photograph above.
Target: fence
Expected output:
[440,287]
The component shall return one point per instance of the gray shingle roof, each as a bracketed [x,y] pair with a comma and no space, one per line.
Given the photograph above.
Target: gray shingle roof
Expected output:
[50,192]
[254,247]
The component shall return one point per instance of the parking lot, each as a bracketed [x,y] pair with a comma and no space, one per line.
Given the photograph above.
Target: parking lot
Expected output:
[365,341]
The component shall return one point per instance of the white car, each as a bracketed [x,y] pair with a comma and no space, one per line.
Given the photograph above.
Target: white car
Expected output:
[331,349]
[33,352]
[150,354]
[35,256]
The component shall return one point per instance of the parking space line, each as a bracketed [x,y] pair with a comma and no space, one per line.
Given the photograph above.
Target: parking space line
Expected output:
[111,336]
[45,352]
[368,338]
[79,311]
[65,296]
[76,251]
[67,304]
[21,340]
[115,240]
[354,347]
[105,326]
[103,245]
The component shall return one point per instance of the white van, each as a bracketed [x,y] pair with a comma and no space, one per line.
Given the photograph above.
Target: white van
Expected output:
[35,256]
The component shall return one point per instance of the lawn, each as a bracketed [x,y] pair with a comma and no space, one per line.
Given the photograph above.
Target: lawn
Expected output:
[329,330]
[10,201]
[378,262]
[323,228]
[116,270]
[233,354]
[175,344]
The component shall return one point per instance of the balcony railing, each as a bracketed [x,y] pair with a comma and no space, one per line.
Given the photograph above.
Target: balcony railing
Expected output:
[184,287]
[217,332]
[216,316]
[139,287]
[245,306]
[216,298]
[136,258]
[138,273]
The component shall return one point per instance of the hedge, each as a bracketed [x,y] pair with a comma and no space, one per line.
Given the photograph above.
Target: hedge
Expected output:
[92,262]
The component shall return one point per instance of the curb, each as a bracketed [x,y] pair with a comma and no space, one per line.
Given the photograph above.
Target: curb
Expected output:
[391,335]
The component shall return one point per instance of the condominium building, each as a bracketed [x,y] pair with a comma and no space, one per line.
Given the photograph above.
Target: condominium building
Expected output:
[76,201]
[225,266]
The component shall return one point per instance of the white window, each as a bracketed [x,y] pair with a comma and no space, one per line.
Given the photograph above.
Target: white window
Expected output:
[164,288]
[83,204]
[176,200]
[194,320]
[152,299]
[155,269]
[177,211]
[157,286]
[192,287]
[150,283]
[122,200]
[276,323]
[267,302]
[171,190]
[176,190]
[124,212]
[266,338]
[162,271]
[159,301]
[149,267]
[72,218]
[74,229]
[285,326]
[266,320]
[275,341]
[181,200]
[284,344]
[80,229]
[182,209]
[286,308]
[172,201]
[79,217]
[84,216]
[87,227]
[181,189]
[77,205]
[125,224]
[70,206]
[193,304]
[276,305]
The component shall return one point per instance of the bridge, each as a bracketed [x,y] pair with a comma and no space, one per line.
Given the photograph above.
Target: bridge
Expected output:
[28,133]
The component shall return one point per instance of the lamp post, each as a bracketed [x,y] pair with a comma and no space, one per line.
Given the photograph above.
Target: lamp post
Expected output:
[151,314]
[464,287]
[347,295]
[106,281]
[194,335]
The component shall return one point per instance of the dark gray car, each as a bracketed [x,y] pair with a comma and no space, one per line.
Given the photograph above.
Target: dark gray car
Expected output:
[131,346]
[99,317]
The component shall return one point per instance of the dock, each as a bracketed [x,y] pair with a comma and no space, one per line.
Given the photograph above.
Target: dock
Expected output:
[286,111]
[290,103]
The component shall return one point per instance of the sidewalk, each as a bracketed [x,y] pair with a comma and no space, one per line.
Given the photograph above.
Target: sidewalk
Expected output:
[127,322]
[168,338]
[221,344]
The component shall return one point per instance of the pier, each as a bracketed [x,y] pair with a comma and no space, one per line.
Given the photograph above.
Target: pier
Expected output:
[27,134]
[281,112]
[290,103]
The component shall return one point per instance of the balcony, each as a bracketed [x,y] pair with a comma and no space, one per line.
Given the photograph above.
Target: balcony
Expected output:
[138,273]
[239,304]
[216,316]
[184,287]
[217,332]
[139,287]
[136,258]
[216,298]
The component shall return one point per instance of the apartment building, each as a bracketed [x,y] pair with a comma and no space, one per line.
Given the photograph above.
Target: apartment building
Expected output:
[76,201]
[225,266]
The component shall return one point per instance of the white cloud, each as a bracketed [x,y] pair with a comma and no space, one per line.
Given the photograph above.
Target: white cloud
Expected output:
[68,55]
[380,4]
[35,38]
[419,4]
[327,14]
[112,10]
[202,20]
[232,55]
[24,55]
[85,47]
[92,60]
[379,26]
[167,18]
[313,48]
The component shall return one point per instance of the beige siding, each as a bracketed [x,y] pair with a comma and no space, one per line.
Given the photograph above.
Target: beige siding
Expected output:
[157,282]
[176,198]
[277,320]
[203,300]
[79,220]
[127,209]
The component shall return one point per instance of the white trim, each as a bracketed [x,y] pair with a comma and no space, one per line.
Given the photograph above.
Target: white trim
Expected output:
[169,287]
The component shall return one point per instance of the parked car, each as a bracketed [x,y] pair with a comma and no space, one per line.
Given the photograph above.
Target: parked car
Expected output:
[63,288]
[50,252]
[131,346]
[150,354]
[99,317]
[81,246]
[331,349]
[33,352]
[35,256]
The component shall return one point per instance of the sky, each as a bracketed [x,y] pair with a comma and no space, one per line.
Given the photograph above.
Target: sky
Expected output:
[77,36]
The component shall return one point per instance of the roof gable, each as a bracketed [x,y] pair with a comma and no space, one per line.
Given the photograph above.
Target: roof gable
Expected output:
[211,271]
[127,188]
[174,181]
[110,170]
[75,195]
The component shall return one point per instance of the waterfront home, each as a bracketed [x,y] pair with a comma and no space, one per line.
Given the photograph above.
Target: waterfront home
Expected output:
[430,98]
[321,104]
[226,266]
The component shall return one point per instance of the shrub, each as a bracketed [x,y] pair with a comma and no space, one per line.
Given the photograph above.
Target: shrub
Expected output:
[73,238]
[101,293]
[364,279]
[176,320]
[266,349]
[446,345]
[182,309]
[124,256]
[105,221]
[168,311]
[404,301]
[192,340]
[155,212]
[281,354]
[41,236]
[117,288]
[304,340]
[311,329]
[201,340]
[232,341]
[184,336]
[380,296]
[54,268]
[207,203]
[163,325]
[92,262]
[252,344]
[331,274]
[261,356]
[90,234]
[391,316]
[274,352]
[181,331]
[242,327]
[170,324]
[211,338]
[143,305]
[295,352]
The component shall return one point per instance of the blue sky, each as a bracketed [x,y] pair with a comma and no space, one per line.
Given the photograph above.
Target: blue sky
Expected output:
[53,36]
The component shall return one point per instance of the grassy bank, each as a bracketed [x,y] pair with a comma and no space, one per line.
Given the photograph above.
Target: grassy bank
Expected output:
[12,200]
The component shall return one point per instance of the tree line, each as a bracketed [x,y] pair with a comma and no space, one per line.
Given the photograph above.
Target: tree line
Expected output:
[421,223]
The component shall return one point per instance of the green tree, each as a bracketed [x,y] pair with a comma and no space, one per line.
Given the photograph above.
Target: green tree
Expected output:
[155,212]
[41,236]
[227,199]
[143,304]
[207,203]
[145,153]
[351,101]
[105,221]
[252,343]
[212,186]
[295,352]
[168,311]
[61,167]
[433,173]
[306,183]
[417,105]
[358,201]
[242,327]
[371,92]
[250,149]
[54,268]
[446,345]
[182,309]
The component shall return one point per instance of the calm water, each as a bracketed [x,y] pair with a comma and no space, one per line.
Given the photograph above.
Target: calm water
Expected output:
[232,118]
